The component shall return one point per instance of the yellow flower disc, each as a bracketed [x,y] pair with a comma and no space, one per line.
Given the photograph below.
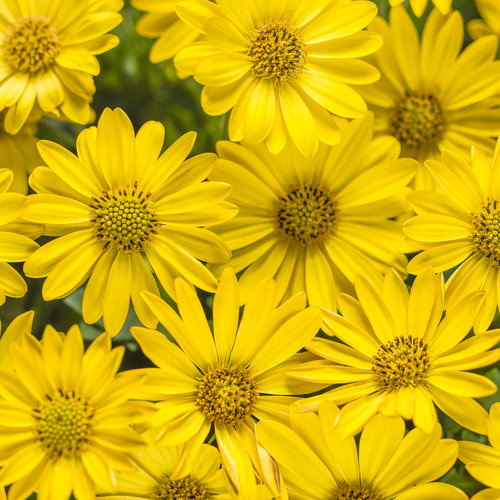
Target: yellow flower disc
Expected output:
[123,219]
[306,213]
[30,44]
[485,232]
[63,424]
[417,119]
[227,394]
[171,489]
[278,51]
[347,492]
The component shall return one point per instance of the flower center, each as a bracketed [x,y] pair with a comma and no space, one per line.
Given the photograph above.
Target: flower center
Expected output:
[485,232]
[417,120]
[402,362]
[277,51]
[62,424]
[346,492]
[123,219]
[173,489]
[227,395]
[30,44]
[306,213]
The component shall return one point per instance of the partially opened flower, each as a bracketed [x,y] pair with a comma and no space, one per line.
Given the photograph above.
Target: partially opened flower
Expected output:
[117,204]
[186,471]
[282,67]
[317,463]
[418,6]
[47,56]
[396,356]
[459,227]
[231,377]
[431,94]
[489,24]
[14,246]
[65,416]
[483,461]
[314,224]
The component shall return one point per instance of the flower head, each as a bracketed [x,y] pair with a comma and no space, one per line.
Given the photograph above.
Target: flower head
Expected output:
[459,227]
[281,67]
[432,96]
[117,204]
[67,416]
[314,224]
[186,471]
[317,462]
[47,56]
[396,356]
[231,377]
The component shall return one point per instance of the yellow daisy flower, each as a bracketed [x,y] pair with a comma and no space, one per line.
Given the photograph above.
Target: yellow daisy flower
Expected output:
[397,357]
[117,203]
[314,224]
[47,56]
[231,377]
[280,66]
[418,6]
[14,246]
[18,152]
[318,463]
[489,11]
[431,95]
[483,461]
[161,22]
[65,416]
[459,227]
[173,472]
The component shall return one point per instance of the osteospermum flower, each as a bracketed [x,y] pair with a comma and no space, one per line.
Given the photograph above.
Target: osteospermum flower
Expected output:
[418,6]
[397,357]
[172,472]
[431,96]
[161,22]
[489,11]
[14,246]
[228,378]
[65,416]
[281,67]
[47,56]
[459,227]
[18,152]
[318,463]
[483,461]
[313,224]
[116,205]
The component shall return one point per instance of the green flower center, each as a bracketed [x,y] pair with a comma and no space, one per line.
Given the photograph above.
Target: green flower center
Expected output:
[227,395]
[278,51]
[346,492]
[30,44]
[123,219]
[485,232]
[306,213]
[62,424]
[175,489]
[402,362]
[417,120]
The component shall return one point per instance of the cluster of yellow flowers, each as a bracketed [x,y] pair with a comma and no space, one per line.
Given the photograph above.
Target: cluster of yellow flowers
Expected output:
[353,142]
